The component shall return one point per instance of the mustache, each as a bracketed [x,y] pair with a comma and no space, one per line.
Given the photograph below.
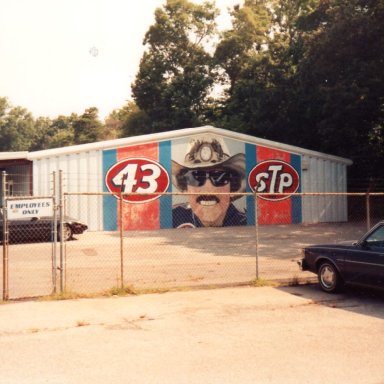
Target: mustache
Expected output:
[207,198]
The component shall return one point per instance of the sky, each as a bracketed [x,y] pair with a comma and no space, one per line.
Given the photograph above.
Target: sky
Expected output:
[64,56]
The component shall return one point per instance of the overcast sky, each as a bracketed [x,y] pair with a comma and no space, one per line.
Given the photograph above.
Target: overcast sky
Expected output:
[63,56]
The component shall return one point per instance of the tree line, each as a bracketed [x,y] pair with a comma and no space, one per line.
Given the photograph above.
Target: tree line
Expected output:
[303,72]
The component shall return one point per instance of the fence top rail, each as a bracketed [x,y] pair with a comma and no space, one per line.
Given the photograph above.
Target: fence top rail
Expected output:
[28,197]
[259,194]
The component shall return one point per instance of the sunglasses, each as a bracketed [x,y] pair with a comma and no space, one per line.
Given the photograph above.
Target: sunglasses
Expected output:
[197,178]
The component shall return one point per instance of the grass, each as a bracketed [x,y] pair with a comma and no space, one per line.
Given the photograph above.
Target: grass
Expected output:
[130,290]
[264,283]
[66,295]
[121,291]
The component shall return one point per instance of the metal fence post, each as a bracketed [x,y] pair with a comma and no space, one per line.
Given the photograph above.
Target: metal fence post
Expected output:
[121,241]
[61,218]
[368,210]
[256,236]
[54,230]
[5,239]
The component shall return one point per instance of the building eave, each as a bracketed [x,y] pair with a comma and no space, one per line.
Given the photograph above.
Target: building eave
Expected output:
[13,156]
[177,134]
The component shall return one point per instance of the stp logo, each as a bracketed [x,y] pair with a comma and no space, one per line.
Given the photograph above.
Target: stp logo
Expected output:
[274,176]
[137,175]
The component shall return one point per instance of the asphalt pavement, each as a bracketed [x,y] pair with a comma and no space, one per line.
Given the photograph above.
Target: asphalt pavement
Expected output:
[232,335]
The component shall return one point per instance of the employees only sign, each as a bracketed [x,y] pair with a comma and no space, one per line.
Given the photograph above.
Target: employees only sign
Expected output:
[20,209]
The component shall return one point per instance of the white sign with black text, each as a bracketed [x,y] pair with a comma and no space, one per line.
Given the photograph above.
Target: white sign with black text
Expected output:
[26,208]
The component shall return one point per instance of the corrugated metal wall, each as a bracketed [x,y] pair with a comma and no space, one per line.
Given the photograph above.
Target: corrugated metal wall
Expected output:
[321,175]
[81,172]
[82,169]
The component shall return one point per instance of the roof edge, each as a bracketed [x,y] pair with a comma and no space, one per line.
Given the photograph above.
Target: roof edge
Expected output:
[162,136]
[14,155]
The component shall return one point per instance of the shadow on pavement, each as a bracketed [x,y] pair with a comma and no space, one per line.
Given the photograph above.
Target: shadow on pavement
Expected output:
[363,301]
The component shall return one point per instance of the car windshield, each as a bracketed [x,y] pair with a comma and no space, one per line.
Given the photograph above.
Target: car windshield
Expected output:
[376,239]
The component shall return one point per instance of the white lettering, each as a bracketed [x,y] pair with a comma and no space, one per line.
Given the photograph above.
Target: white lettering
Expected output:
[275,169]
[261,185]
[286,181]
[150,179]
[278,181]
[126,178]
[129,176]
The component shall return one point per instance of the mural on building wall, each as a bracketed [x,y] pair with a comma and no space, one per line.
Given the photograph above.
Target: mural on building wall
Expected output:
[207,173]
[129,170]
[137,180]
[211,173]
[276,171]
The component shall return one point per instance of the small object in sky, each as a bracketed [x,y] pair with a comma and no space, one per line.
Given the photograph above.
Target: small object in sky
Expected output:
[94,51]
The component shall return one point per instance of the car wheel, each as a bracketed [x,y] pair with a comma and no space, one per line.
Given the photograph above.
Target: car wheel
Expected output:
[329,278]
[67,233]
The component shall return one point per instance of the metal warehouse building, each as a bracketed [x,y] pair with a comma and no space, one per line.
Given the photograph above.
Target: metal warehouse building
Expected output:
[183,161]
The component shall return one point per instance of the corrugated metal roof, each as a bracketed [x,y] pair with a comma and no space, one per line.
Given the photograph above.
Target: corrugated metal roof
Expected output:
[180,133]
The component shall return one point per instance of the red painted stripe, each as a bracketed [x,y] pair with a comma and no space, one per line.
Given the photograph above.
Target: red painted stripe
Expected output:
[146,215]
[273,212]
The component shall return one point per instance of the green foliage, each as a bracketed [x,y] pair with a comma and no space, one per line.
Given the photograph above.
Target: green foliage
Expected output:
[87,127]
[260,68]
[19,131]
[310,75]
[340,83]
[175,73]
[131,120]
[53,133]
[61,132]
[16,127]
[247,41]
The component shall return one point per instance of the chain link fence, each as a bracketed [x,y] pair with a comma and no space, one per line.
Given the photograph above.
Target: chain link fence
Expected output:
[99,260]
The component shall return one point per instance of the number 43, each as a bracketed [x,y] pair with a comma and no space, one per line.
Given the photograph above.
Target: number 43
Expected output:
[133,178]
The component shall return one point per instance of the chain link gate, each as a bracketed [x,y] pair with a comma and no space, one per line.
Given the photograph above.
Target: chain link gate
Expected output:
[32,238]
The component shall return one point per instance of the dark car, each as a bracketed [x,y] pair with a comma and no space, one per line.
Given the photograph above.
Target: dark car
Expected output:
[40,229]
[357,263]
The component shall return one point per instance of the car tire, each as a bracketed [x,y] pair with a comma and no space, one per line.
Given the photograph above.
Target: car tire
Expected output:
[329,278]
[67,233]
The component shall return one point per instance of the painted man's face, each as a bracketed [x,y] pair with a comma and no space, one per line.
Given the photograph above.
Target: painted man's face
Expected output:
[206,202]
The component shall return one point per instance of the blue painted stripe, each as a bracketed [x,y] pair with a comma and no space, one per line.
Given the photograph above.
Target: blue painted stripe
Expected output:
[296,200]
[250,162]
[166,201]
[109,202]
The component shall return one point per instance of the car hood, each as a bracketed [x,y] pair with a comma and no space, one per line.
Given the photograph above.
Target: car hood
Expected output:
[66,219]
[341,245]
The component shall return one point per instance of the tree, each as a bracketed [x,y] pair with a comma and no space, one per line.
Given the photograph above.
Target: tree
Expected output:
[340,83]
[16,127]
[42,133]
[61,132]
[259,56]
[87,128]
[130,120]
[4,106]
[308,73]
[175,74]
[246,41]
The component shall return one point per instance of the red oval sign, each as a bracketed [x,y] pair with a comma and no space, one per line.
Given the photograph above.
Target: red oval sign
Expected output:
[271,178]
[142,177]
